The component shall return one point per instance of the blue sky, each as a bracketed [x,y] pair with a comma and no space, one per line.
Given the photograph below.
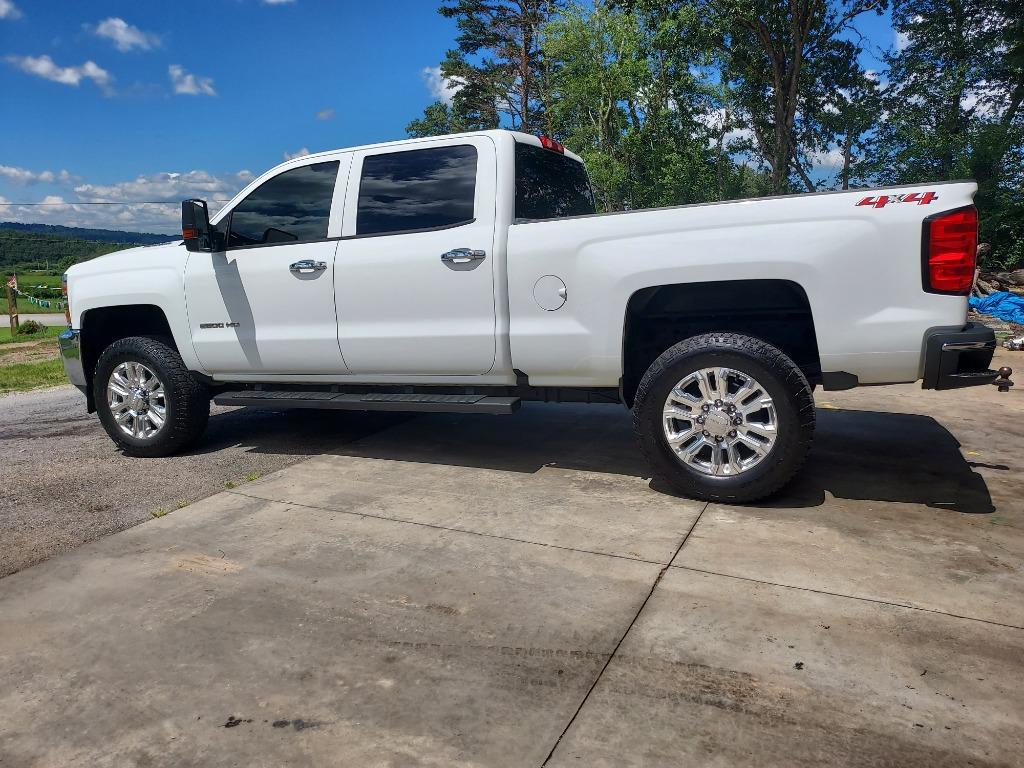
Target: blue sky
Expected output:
[257,80]
[151,100]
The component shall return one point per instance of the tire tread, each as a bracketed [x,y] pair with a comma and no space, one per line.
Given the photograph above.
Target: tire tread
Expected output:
[189,412]
[793,380]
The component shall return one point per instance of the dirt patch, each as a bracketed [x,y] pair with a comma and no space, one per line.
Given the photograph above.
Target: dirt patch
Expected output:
[28,352]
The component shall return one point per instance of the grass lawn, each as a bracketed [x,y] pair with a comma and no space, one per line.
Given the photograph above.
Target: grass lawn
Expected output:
[22,376]
[49,332]
[29,280]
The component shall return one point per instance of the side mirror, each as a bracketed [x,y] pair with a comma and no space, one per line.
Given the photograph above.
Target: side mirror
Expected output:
[195,225]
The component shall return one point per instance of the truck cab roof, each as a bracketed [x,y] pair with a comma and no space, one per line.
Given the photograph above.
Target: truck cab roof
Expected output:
[497,134]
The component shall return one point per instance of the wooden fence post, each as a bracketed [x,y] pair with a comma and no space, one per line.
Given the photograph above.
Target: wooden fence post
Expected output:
[12,302]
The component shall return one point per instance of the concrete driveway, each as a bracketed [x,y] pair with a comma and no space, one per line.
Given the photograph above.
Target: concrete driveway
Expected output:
[510,591]
[65,483]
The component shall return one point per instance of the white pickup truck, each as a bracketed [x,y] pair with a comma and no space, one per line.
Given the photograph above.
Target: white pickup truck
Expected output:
[470,272]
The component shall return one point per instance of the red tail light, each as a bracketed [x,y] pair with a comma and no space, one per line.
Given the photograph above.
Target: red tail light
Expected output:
[949,249]
[549,143]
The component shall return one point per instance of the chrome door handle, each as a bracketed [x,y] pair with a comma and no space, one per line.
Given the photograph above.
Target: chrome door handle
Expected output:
[306,266]
[462,256]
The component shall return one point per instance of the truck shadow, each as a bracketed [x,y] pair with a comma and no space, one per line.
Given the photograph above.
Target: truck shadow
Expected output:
[878,456]
[857,455]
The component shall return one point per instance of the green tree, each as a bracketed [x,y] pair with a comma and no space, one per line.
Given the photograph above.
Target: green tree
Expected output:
[780,62]
[625,101]
[498,66]
[954,108]
[440,118]
[849,117]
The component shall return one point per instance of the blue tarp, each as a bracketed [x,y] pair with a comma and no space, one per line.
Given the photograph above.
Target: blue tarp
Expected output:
[1002,304]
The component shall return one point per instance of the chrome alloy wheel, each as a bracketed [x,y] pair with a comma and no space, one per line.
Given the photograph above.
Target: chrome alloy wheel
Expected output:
[720,421]
[137,400]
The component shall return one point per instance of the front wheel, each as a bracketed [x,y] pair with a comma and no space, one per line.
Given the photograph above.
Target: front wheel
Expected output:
[147,400]
[724,417]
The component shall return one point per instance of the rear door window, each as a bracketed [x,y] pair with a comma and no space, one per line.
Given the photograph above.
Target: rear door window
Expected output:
[416,190]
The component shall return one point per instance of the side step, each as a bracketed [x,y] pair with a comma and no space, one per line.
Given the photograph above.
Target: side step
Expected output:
[370,401]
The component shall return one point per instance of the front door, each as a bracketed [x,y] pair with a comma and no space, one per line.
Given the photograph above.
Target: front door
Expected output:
[415,269]
[265,304]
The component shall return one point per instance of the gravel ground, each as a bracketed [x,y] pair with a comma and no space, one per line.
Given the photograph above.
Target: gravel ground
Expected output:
[62,481]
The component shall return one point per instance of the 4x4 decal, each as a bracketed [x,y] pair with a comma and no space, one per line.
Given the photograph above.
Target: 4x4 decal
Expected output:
[921,198]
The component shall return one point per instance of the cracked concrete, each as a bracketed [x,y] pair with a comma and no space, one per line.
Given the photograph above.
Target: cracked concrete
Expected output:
[511,591]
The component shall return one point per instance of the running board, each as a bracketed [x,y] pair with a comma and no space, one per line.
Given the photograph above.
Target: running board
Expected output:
[370,401]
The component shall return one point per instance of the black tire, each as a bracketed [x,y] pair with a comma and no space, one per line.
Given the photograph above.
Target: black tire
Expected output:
[187,400]
[780,378]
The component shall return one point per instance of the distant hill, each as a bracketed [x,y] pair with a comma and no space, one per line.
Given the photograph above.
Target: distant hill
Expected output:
[99,235]
[54,248]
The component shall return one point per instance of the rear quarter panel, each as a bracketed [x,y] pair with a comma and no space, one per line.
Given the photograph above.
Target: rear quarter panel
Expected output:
[860,266]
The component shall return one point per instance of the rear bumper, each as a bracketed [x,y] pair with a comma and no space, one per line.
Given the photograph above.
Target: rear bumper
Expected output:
[70,342]
[958,358]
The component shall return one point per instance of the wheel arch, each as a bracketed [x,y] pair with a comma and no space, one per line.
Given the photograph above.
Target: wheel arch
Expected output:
[774,310]
[102,326]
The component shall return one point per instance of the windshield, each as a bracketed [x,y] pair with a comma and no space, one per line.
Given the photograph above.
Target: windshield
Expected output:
[550,185]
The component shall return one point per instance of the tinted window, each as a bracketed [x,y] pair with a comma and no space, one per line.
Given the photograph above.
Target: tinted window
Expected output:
[291,207]
[550,185]
[416,189]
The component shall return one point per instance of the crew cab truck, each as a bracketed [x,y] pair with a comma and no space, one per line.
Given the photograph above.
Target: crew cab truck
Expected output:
[471,272]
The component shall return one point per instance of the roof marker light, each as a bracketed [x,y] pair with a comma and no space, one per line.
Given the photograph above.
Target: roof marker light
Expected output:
[548,143]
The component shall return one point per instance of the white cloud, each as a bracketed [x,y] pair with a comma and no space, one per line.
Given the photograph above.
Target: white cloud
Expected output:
[902,39]
[300,152]
[713,122]
[24,176]
[126,36]
[44,67]
[827,160]
[186,83]
[325,114]
[277,2]
[165,219]
[984,100]
[129,210]
[441,88]
[166,186]
[9,10]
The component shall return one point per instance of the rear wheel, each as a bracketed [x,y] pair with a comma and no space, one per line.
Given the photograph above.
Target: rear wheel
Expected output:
[148,402]
[724,417]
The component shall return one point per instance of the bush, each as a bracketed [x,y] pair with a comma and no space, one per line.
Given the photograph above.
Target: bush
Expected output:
[30,327]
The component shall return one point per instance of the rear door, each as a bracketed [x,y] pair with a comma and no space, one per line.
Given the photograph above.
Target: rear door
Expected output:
[414,272]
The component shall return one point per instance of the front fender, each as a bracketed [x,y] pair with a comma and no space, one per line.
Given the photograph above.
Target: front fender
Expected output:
[139,276]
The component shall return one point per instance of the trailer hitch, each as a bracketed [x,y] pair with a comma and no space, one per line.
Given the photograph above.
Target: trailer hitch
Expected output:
[1003,380]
